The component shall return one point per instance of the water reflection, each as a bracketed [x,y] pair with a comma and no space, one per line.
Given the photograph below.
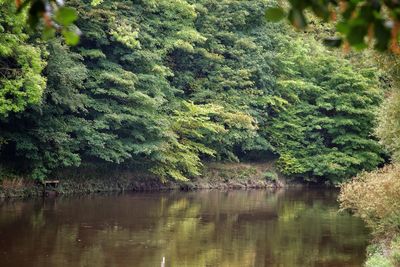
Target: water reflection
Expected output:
[206,228]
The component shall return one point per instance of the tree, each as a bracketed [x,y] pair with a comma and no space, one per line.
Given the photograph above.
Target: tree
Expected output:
[326,130]
[21,63]
[166,85]
[48,135]
[378,21]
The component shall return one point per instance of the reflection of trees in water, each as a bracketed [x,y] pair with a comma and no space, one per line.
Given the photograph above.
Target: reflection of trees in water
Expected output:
[233,228]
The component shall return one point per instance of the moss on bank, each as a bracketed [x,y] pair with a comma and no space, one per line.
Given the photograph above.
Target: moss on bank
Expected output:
[92,179]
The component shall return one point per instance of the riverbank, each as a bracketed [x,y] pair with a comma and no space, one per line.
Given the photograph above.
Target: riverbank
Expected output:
[93,179]
[375,198]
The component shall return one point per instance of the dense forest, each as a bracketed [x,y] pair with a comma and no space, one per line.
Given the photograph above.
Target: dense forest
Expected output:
[167,85]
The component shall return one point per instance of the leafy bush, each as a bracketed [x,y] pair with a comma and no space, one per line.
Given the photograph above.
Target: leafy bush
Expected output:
[378,260]
[190,126]
[375,197]
[384,254]
[324,132]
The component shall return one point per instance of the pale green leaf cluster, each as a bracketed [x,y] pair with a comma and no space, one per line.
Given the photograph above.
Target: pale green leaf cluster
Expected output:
[21,63]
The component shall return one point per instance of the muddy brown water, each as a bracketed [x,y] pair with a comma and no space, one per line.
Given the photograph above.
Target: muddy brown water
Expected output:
[296,227]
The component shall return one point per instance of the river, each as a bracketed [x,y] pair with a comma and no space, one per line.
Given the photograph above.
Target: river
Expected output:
[293,227]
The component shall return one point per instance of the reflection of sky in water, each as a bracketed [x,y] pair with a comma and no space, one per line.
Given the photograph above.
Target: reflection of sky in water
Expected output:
[206,228]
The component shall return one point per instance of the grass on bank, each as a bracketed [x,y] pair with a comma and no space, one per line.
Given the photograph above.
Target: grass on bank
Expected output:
[375,197]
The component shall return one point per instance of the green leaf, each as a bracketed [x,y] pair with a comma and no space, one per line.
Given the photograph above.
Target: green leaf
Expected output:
[275,14]
[66,16]
[48,33]
[71,37]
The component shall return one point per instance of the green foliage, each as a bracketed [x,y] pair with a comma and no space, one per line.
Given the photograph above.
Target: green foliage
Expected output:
[42,137]
[375,197]
[274,14]
[388,129]
[66,16]
[189,125]
[378,260]
[169,84]
[21,63]
[48,15]
[233,66]
[325,130]
[356,21]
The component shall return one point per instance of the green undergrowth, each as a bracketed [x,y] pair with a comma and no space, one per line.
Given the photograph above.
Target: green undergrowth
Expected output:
[384,253]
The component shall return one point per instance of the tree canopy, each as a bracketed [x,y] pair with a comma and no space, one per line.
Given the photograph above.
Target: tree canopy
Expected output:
[358,23]
[167,85]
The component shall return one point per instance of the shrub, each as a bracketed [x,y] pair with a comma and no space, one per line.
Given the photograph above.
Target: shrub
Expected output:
[271,176]
[378,260]
[375,197]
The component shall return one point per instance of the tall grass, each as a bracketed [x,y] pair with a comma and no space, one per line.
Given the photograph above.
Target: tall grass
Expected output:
[375,197]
